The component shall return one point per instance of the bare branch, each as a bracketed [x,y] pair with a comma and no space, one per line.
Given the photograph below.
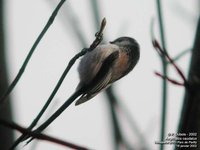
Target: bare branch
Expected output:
[39,38]
[163,53]
[39,136]
[169,79]
[98,39]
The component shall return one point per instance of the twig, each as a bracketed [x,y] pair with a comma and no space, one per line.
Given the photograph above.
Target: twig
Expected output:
[51,109]
[169,79]
[39,136]
[118,137]
[164,70]
[72,61]
[98,39]
[115,105]
[133,124]
[39,38]
[96,12]
[164,54]
[181,54]
[69,17]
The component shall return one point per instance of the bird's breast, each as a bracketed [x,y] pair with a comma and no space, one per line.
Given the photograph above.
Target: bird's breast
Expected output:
[120,66]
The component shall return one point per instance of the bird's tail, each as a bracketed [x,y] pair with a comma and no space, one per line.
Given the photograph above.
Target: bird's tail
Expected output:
[84,98]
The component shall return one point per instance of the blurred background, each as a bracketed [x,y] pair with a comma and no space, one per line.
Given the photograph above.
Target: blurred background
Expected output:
[139,93]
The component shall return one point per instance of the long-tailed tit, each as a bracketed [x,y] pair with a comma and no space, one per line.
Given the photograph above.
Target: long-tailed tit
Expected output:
[106,64]
[98,69]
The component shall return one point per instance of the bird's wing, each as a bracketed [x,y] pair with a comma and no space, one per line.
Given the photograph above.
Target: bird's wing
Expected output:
[92,61]
[101,80]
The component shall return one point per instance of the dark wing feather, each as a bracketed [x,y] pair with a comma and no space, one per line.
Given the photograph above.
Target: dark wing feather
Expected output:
[101,80]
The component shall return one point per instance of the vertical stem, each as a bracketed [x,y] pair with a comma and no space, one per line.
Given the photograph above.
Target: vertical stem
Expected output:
[164,69]
[189,119]
[161,26]
[116,129]
[164,105]
[6,135]
[118,138]
[96,12]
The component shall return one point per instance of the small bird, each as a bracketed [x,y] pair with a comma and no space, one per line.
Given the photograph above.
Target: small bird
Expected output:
[98,69]
[106,64]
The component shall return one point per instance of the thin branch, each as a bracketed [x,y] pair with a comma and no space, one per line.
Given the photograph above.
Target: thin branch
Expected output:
[72,61]
[169,79]
[39,38]
[118,136]
[39,136]
[69,17]
[164,83]
[161,25]
[117,133]
[98,39]
[96,12]
[51,109]
[133,124]
[115,105]
[181,54]
[164,54]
